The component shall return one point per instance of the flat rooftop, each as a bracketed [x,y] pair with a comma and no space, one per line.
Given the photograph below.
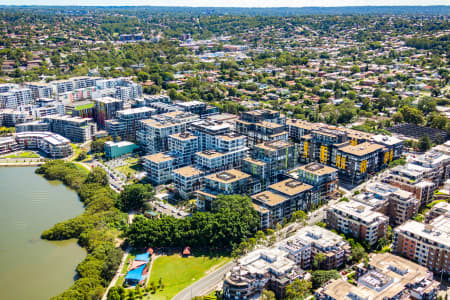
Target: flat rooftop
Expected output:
[184,136]
[188,171]
[361,149]
[317,169]
[255,161]
[437,231]
[357,210]
[159,157]
[274,145]
[290,187]
[269,198]
[228,176]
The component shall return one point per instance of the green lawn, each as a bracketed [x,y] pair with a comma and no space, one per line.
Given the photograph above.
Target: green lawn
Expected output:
[179,272]
[131,168]
[24,154]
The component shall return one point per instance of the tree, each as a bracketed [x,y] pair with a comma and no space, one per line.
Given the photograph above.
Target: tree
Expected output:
[358,252]
[97,175]
[82,155]
[268,295]
[425,143]
[318,259]
[134,196]
[299,216]
[113,294]
[320,277]
[298,289]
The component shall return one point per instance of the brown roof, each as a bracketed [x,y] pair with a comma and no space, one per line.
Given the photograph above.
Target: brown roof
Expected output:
[290,187]
[317,169]
[159,157]
[188,171]
[269,198]
[361,149]
[228,176]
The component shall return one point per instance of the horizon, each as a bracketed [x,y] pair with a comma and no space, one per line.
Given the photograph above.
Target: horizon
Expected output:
[249,4]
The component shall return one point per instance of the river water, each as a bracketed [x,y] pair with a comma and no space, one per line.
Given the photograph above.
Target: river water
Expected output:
[31,268]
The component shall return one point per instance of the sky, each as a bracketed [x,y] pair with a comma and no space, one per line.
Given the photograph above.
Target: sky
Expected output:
[228,3]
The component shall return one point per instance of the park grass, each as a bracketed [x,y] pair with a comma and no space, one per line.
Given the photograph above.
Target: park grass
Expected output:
[178,272]
[82,167]
[24,154]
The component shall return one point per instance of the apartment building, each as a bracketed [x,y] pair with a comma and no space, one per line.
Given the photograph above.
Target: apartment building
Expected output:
[401,205]
[212,161]
[226,183]
[10,117]
[105,109]
[260,173]
[262,126]
[387,277]
[207,131]
[276,267]
[8,144]
[40,89]
[263,214]
[187,180]
[414,179]
[260,270]
[76,129]
[53,145]
[32,126]
[128,91]
[358,220]
[284,198]
[197,107]
[393,145]
[184,146]
[438,163]
[127,122]
[323,178]
[154,135]
[311,240]
[426,244]
[159,167]
[15,97]
[439,209]
[359,162]
[279,156]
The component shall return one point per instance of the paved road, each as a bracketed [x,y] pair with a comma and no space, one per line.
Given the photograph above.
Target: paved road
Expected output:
[205,284]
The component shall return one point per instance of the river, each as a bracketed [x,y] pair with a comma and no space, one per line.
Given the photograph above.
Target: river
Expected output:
[31,268]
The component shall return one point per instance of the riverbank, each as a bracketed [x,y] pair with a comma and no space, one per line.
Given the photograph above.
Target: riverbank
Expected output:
[97,229]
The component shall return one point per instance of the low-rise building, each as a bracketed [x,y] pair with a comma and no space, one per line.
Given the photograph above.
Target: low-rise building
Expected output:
[387,277]
[358,220]
[117,149]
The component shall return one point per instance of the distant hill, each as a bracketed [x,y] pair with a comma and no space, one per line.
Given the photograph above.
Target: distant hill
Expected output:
[276,11]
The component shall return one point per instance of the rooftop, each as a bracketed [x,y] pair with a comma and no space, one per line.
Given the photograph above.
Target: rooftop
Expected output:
[183,136]
[438,231]
[188,171]
[317,169]
[362,149]
[357,210]
[159,157]
[228,176]
[290,187]
[269,198]
[274,145]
